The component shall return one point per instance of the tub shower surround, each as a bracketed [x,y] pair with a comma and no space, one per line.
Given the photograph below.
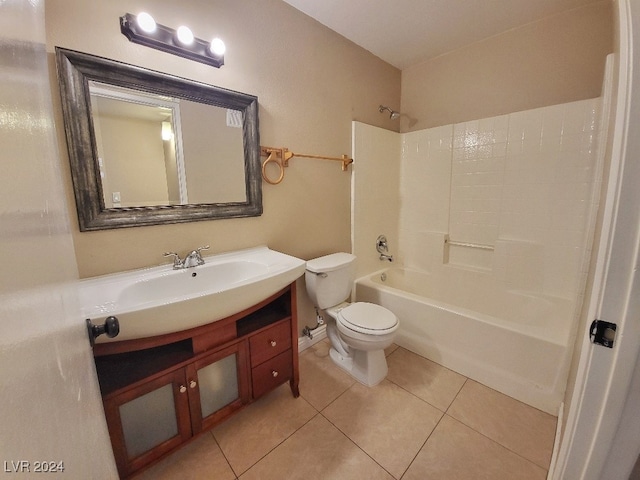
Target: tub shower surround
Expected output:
[495,227]
[522,183]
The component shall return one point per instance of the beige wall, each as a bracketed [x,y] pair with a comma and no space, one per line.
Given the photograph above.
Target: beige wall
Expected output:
[556,60]
[311,83]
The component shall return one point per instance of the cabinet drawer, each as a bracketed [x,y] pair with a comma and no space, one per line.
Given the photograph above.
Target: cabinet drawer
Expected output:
[270,342]
[272,373]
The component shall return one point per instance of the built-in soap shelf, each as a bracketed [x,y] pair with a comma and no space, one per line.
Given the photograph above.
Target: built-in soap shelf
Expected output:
[468,255]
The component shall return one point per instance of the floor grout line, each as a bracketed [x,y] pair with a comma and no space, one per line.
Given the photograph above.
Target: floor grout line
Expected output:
[223,454]
[466,379]
[457,395]
[446,412]
[495,441]
[422,446]
[282,441]
[357,446]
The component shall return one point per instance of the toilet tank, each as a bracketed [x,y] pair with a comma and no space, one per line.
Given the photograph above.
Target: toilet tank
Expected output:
[329,279]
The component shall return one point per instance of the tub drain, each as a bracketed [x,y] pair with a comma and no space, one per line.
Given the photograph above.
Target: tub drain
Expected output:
[383,277]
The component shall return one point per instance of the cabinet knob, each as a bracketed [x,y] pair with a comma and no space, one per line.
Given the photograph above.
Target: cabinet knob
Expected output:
[273,343]
[274,373]
[183,389]
[192,384]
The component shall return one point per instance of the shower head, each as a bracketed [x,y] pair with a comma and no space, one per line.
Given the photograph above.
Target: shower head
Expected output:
[393,115]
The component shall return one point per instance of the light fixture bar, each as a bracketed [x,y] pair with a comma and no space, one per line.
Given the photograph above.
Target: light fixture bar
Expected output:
[166,39]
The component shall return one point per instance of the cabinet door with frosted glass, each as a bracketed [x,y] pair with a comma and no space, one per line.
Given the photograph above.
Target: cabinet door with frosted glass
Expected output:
[218,385]
[148,421]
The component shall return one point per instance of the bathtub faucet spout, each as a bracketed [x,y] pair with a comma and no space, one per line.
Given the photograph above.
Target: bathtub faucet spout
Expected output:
[384,256]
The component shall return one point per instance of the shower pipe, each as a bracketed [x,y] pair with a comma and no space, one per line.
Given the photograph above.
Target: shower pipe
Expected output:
[281,157]
[393,115]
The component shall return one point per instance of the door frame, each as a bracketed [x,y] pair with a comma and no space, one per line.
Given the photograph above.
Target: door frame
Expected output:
[597,416]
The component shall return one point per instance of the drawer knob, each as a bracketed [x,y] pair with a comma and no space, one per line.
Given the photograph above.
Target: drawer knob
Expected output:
[192,384]
[274,373]
[273,343]
[183,389]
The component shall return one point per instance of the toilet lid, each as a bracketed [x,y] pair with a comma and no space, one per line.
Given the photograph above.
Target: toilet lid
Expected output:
[330,262]
[367,317]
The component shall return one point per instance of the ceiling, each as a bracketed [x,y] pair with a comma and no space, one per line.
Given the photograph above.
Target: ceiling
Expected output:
[407,32]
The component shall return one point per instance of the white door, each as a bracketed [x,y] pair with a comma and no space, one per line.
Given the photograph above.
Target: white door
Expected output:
[602,438]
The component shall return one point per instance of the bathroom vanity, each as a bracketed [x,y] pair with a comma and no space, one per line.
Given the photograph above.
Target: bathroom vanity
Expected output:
[161,391]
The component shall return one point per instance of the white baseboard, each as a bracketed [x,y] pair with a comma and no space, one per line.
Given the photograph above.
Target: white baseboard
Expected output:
[319,334]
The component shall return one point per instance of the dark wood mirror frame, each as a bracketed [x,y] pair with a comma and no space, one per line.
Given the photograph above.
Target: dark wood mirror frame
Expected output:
[75,70]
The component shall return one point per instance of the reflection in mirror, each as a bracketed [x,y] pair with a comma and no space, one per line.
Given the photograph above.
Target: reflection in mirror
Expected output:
[138,160]
[213,153]
[143,140]
[148,148]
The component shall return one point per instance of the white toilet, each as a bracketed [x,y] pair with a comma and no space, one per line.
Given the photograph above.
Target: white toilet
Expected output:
[359,332]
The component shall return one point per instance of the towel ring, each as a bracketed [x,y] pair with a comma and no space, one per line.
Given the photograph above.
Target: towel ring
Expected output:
[272,158]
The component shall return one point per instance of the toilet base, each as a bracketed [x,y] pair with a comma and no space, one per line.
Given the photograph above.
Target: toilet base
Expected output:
[367,367]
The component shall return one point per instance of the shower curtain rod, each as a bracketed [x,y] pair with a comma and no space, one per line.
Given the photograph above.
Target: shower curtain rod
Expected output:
[281,157]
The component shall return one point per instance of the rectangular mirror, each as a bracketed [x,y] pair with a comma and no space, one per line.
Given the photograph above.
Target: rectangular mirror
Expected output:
[148,148]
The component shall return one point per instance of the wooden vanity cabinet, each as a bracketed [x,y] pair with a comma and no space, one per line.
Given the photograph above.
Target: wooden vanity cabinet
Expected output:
[217,386]
[162,433]
[158,393]
[271,358]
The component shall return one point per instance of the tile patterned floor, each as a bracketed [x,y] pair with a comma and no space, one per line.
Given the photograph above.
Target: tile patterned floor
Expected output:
[422,422]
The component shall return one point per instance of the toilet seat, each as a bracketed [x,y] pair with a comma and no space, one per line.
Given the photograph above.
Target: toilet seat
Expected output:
[367,318]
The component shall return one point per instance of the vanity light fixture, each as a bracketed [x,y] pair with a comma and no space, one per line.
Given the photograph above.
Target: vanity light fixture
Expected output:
[185,35]
[146,22]
[217,47]
[143,29]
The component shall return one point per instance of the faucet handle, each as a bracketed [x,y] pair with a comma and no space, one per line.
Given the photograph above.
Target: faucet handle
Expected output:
[195,256]
[206,247]
[198,256]
[177,263]
[381,244]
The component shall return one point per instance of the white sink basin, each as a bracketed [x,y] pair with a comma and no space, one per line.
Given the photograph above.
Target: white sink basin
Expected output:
[160,300]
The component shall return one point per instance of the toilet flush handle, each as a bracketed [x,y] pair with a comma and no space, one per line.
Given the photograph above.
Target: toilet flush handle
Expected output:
[319,274]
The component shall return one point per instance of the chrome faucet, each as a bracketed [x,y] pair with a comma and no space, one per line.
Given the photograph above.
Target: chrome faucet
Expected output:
[192,260]
[383,248]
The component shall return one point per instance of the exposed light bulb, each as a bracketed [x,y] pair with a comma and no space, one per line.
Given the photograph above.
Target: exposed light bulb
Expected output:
[146,22]
[185,35]
[217,47]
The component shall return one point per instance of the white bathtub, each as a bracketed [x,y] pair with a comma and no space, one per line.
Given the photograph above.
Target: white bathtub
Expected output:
[515,342]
